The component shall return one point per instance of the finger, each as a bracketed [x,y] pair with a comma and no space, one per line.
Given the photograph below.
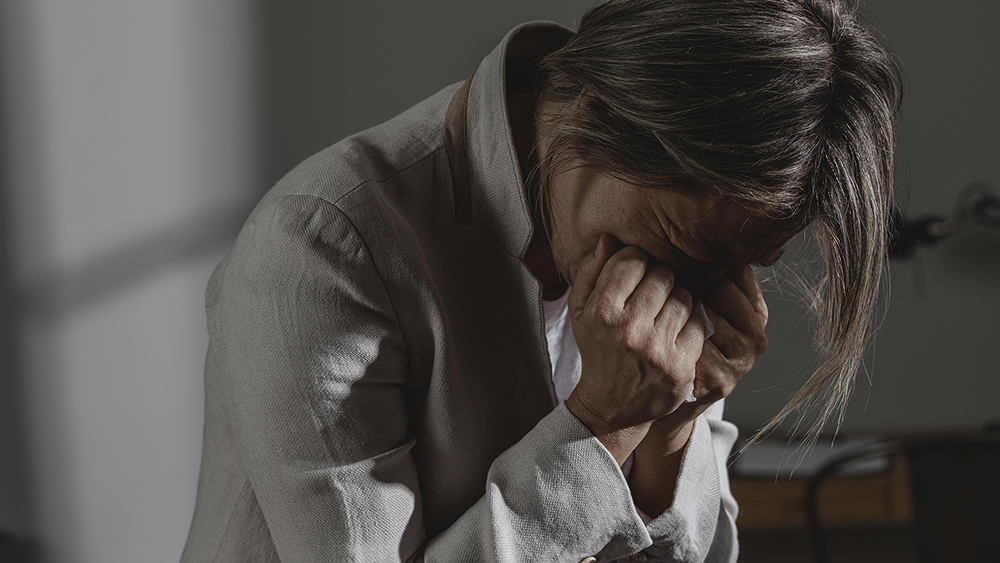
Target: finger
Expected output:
[728,300]
[675,315]
[621,275]
[715,375]
[725,338]
[652,292]
[746,280]
[740,349]
[692,335]
[715,379]
[588,272]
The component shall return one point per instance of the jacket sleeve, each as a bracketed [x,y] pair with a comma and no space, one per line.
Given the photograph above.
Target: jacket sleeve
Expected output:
[314,374]
[700,525]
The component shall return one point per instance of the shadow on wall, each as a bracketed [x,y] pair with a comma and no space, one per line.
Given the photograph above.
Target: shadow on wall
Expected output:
[15,475]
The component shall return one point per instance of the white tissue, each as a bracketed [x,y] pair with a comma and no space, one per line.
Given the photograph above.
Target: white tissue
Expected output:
[699,309]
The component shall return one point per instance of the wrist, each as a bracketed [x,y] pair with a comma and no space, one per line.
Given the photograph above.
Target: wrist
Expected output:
[620,442]
[656,468]
[662,440]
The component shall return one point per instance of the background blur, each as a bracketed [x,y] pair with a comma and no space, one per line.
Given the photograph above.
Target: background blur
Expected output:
[137,134]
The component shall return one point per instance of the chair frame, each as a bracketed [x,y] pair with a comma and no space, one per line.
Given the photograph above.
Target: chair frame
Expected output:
[875,450]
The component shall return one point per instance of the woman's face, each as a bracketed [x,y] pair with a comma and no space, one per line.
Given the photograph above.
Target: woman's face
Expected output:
[700,239]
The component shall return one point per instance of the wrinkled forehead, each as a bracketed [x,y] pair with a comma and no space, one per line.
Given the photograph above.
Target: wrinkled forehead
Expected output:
[734,232]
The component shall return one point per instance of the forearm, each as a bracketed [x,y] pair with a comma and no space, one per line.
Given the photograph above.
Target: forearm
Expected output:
[655,468]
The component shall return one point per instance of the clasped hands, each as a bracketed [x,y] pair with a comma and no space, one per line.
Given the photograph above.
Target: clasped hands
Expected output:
[642,349]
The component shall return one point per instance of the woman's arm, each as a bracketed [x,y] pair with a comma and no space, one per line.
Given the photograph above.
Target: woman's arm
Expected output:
[314,367]
[641,346]
[699,523]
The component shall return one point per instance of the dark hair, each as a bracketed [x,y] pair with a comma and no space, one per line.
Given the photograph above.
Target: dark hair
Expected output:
[788,106]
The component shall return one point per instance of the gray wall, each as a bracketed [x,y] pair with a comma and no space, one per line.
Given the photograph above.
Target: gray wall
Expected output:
[128,152]
[330,69]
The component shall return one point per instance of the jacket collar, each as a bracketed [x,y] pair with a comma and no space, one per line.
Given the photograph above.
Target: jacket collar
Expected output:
[496,193]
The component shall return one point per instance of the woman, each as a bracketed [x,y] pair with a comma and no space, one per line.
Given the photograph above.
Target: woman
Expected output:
[500,326]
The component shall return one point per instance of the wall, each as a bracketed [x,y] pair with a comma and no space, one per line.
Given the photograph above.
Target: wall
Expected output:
[128,162]
[330,69]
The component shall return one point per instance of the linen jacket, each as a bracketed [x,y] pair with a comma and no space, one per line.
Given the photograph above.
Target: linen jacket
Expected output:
[378,385]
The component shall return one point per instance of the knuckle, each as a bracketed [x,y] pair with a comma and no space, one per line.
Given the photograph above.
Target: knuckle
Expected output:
[760,344]
[606,316]
[630,257]
[716,393]
[663,274]
[744,365]
[633,335]
[683,296]
[605,310]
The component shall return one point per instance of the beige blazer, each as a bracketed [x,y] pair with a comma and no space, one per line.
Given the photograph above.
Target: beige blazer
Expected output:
[378,385]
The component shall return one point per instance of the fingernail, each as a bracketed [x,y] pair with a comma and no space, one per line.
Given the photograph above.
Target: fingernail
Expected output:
[597,249]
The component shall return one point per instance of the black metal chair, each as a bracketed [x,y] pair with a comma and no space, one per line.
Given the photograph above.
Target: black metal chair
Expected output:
[955,482]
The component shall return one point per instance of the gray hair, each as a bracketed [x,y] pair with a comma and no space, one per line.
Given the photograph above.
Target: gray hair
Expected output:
[787,106]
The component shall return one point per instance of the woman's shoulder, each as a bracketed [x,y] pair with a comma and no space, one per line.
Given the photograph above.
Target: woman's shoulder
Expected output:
[372,158]
[351,199]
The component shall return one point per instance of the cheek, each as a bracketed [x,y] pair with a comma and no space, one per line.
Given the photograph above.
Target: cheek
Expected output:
[568,252]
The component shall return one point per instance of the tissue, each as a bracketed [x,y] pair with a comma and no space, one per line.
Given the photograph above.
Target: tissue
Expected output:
[699,310]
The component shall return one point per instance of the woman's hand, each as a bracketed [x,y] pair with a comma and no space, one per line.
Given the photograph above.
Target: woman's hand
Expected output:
[736,307]
[638,342]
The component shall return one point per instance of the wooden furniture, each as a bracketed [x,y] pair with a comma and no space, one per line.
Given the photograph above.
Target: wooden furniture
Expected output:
[955,486]
[865,499]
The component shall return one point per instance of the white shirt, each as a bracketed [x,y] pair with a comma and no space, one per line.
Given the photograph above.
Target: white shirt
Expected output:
[563,353]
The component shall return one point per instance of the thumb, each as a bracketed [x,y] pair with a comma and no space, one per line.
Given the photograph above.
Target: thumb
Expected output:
[588,272]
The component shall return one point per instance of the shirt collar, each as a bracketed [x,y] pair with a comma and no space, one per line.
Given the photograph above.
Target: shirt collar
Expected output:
[497,198]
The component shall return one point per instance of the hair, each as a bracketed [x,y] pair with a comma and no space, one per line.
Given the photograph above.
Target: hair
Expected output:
[787,106]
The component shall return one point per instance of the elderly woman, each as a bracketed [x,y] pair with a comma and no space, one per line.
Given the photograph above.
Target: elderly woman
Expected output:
[500,326]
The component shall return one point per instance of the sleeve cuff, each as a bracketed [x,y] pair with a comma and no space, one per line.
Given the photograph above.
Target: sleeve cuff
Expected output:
[685,531]
[556,495]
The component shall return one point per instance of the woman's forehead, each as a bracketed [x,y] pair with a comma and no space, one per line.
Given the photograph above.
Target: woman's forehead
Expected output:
[714,229]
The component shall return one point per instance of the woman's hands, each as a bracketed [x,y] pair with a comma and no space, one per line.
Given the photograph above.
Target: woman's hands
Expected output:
[736,307]
[642,350]
[638,343]
[737,310]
